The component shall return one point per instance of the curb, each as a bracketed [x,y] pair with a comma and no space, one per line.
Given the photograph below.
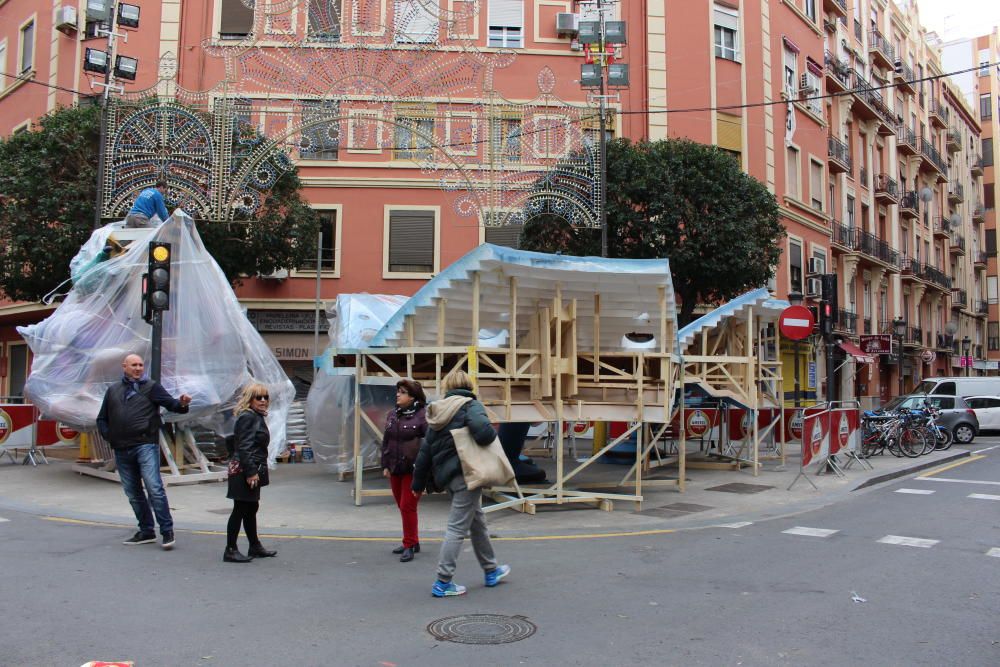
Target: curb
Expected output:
[910,470]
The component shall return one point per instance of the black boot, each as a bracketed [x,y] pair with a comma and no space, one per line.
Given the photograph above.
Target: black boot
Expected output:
[257,550]
[233,555]
[407,555]
[400,549]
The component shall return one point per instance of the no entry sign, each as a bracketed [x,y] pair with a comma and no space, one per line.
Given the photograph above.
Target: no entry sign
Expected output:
[796,322]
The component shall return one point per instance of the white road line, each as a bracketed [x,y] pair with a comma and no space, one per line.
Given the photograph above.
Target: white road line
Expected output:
[983,496]
[995,552]
[810,532]
[958,481]
[3,519]
[908,541]
[738,524]
[987,449]
[916,492]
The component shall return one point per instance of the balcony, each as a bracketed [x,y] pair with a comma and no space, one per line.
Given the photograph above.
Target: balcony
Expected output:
[904,79]
[877,249]
[979,259]
[910,269]
[953,140]
[839,156]
[838,73]
[906,140]
[979,213]
[931,160]
[937,278]
[976,165]
[956,193]
[914,337]
[836,7]
[942,228]
[957,245]
[865,97]
[847,322]
[959,299]
[938,114]
[945,341]
[982,309]
[844,236]
[908,206]
[883,54]
[886,189]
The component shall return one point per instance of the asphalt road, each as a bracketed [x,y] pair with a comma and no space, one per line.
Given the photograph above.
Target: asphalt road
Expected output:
[749,595]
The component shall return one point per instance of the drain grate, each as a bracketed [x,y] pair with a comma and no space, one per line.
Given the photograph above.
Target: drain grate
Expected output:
[740,487]
[482,629]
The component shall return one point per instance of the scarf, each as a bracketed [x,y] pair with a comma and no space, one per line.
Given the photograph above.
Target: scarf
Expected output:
[132,386]
[407,412]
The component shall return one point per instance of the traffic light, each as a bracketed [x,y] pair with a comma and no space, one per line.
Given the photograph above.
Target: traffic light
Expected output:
[829,295]
[157,280]
[827,315]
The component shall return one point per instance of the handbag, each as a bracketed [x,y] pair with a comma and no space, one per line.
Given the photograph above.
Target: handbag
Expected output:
[481,466]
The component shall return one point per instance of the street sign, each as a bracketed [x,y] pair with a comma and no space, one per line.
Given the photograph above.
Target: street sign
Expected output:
[928,356]
[796,322]
[876,344]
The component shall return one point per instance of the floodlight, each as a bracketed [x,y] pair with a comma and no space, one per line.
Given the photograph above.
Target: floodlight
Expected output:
[590,32]
[95,61]
[97,10]
[128,16]
[126,68]
[614,32]
[617,75]
[590,76]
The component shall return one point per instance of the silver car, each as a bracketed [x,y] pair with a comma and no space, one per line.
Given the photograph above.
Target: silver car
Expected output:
[956,415]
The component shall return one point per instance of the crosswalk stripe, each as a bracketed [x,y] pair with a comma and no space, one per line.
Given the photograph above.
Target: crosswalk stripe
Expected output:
[810,532]
[908,541]
[738,524]
[983,496]
[916,492]
[995,552]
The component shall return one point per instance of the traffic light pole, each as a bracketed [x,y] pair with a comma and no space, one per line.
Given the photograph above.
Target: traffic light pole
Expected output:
[156,346]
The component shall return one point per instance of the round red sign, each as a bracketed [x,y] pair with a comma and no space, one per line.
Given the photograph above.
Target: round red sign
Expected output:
[796,322]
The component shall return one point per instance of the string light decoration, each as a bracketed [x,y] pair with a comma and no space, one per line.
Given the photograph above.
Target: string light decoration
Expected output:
[403,83]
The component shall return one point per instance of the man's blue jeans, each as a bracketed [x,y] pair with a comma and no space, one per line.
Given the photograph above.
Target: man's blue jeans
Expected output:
[138,466]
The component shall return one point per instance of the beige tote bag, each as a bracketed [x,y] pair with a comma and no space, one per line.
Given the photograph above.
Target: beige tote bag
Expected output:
[482,466]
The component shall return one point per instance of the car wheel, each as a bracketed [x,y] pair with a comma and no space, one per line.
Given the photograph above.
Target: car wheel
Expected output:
[964,433]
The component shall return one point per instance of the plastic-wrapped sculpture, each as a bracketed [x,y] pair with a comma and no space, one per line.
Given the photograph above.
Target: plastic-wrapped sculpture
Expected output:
[210,349]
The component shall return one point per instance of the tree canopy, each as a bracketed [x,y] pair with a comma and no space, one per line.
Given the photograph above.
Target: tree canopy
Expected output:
[685,201]
[48,186]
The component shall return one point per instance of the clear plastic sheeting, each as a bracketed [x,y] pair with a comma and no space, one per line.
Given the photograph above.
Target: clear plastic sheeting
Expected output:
[210,350]
[355,318]
[330,418]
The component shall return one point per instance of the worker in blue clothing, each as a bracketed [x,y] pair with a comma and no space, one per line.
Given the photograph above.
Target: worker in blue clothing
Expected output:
[147,204]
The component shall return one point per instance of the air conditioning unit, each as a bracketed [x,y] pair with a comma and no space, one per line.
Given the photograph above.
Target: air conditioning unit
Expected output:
[814,288]
[806,86]
[816,266]
[66,19]
[567,23]
[277,274]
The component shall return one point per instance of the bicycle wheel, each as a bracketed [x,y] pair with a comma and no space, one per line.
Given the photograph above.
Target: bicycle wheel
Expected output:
[930,439]
[943,438]
[912,441]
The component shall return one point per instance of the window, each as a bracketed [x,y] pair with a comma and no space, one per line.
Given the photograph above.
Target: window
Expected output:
[729,133]
[816,184]
[792,172]
[795,266]
[324,20]
[364,131]
[989,198]
[506,24]
[416,22]
[815,102]
[991,242]
[984,62]
[987,151]
[3,64]
[791,71]
[27,48]
[991,289]
[811,10]
[727,25]
[985,106]
[411,241]
[993,336]
[850,211]
[17,371]
[328,251]
[505,235]
[236,20]
[321,130]
[505,138]
[414,133]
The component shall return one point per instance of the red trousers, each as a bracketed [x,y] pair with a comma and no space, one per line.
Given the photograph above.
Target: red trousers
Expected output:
[407,507]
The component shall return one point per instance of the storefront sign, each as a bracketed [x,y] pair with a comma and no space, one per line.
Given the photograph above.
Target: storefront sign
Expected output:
[304,321]
[292,347]
[876,344]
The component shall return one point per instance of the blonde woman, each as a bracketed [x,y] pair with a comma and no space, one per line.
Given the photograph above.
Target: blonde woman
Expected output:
[248,472]
[438,468]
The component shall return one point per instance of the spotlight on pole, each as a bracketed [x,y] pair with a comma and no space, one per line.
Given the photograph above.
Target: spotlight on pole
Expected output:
[95,61]
[126,68]
[128,16]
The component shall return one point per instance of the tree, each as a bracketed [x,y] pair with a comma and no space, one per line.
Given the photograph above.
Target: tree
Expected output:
[48,186]
[685,201]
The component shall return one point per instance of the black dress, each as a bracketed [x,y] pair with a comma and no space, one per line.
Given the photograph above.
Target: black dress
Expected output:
[252,438]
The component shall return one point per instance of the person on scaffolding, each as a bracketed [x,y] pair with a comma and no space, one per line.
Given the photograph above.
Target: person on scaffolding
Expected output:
[150,202]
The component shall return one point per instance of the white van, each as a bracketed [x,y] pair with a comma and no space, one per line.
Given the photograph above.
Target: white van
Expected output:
[960,386]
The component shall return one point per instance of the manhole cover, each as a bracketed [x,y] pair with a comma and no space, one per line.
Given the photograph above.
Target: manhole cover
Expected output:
[482,629]
[740,487]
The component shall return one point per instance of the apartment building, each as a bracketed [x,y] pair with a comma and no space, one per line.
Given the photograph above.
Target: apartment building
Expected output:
[839,107]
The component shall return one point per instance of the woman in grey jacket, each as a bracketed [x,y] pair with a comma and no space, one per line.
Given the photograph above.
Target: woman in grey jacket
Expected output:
[438,468]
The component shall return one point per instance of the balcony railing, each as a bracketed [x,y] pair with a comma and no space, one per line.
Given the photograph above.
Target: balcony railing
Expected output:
[844,235]
[904,74]
[956,193]
[836,6]
[980,257]
[839,154]
[959,298]
[935,276]
[908,204]
[945,341]
[958,244]
[837,70]
[953,140]
[886,187]
[938,113]
[931,154]
[941,227]
[976,165]
[847,321]
[906,139]
[979,212]
[874,247]
[878,45]
[914,336]
[982,308]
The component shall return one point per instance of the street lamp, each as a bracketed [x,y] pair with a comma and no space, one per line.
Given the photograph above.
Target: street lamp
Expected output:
[795,298]
[967,355]
[899,330]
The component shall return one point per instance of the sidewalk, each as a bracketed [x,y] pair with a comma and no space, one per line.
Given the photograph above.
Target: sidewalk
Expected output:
[308,500]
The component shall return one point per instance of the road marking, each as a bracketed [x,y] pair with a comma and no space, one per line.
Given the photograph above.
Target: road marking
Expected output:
[738,524]
[908,541]
[916,492]
[810,532]
[931,473]
[995,552]
[959,481]
[3,519]
[986,449]
[983,496]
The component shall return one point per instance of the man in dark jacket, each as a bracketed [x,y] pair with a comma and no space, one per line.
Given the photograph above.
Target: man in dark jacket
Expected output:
[130,421]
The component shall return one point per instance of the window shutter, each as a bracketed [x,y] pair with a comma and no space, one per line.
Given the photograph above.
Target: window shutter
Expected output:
[729,132]
[237,18]
[506,13]
[416,22]
[411,241]
[505,235]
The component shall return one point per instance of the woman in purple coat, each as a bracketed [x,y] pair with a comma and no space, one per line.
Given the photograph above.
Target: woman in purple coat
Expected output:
[405,427]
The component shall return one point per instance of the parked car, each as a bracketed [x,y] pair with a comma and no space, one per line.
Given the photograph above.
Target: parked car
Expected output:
[960,386]
[956,415]
[987,409]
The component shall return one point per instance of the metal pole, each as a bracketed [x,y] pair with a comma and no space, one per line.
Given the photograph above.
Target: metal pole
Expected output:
[831,394]
[101,157]
[603,141]
[319,284]
[899,365]
[795,354]
[156,345]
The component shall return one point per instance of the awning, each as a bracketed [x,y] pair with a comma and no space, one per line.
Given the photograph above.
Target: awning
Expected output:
[855,351]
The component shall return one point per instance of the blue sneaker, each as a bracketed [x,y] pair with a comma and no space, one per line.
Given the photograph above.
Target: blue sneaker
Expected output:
[443,589]
[493,577]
